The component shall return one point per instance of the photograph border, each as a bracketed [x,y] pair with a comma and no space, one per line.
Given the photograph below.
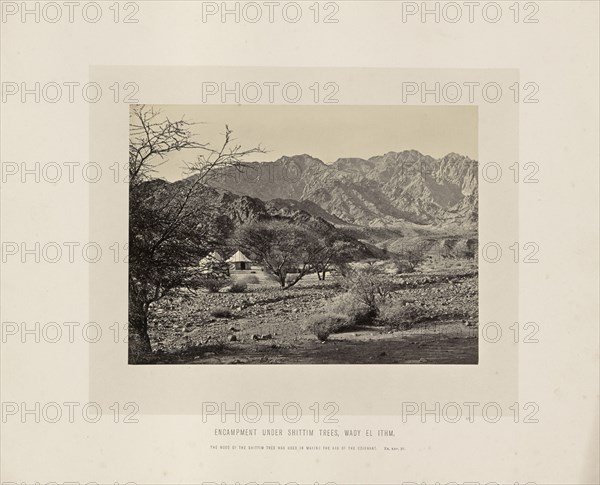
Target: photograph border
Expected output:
[181,389]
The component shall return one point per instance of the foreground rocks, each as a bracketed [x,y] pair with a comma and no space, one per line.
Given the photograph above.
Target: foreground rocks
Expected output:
[266,316]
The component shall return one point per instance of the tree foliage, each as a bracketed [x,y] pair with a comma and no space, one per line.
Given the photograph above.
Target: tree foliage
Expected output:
[284,248]
[335,252]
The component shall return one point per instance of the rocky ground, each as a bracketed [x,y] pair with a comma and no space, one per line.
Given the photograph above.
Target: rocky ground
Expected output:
[267,325]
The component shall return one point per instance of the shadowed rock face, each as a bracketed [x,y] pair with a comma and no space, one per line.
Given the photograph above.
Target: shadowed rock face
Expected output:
[386,190]
[229,210]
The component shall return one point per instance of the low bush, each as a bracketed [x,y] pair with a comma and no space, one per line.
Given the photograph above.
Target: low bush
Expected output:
[369,286]
[399,315]
[213,285]
[355,311]
[324,324]
[238,287]
[221,312]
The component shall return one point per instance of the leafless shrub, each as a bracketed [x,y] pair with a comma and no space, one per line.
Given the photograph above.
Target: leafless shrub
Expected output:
[369,287]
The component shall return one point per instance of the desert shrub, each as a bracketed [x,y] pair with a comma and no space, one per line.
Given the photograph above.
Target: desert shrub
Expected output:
[355,311]
[238,287]
[369,286]
[249,280]
[221,312]
[414,255]
[213,285]
[324,324]
[399,315]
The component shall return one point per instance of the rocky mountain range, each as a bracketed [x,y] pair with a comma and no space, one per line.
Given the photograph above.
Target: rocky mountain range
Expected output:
[381,204]
[392,190]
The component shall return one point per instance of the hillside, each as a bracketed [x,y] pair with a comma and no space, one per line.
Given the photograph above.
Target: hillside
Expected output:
[228,211]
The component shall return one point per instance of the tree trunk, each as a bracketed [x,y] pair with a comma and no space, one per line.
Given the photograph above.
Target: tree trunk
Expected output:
[319,275]
[282,277]
[139,340]
[295,280]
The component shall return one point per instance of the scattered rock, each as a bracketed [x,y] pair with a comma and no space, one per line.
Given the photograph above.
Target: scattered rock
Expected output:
[267,336]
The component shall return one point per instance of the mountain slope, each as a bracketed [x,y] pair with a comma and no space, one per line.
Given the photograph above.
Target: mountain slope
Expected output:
[228,211]
[386,190]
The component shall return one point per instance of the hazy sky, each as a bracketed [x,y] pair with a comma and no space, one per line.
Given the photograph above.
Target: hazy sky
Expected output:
[328,132]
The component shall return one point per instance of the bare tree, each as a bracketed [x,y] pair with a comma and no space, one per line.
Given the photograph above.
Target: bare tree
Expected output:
[171,226]
[413,255]
[335,252]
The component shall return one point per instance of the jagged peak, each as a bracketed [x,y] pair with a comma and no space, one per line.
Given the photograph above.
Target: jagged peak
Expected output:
[456,156]
[399,154]
[304,157]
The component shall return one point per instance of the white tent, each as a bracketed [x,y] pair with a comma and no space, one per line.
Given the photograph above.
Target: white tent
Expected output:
[240,261]
[212,262]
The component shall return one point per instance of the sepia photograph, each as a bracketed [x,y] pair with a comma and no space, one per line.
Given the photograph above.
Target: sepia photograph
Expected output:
[299,243]
[303,235]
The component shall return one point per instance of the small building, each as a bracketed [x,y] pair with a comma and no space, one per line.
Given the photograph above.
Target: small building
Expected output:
[240,262]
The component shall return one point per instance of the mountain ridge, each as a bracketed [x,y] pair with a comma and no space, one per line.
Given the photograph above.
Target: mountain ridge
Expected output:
[384,190]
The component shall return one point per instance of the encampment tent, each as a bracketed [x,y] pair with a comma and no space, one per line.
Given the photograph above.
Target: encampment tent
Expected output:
[240,261]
